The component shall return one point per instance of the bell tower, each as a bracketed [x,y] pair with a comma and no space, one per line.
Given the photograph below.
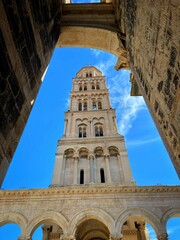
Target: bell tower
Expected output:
[91,150]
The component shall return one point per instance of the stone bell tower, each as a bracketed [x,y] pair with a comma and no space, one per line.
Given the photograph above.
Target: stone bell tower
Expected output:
[91,150]
[92,153]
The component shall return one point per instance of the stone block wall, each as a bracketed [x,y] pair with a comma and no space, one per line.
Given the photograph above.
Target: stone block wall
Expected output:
[28,33]
[152,42]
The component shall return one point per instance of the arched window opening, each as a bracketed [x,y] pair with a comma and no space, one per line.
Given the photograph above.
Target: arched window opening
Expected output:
[94,105]
[90,74]
[80,88]
[86,74]
[82,132]
[82,176]
[101,131]
[85,87]
[80,106]
[102,176]
[98,131]
[85,106]
[99,105]
[97,86]
[93,87]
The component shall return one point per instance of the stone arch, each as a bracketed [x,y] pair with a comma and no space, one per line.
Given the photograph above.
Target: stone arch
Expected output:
[12,217]
[92,213]
[148,216]
[113,148]
[172,212]
[83,150]
[69,151]
[50,216]
[88,37]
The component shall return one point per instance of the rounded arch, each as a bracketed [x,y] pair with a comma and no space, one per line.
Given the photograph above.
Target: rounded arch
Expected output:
[50,216]
[88,37]
[113,149]
[77,36]
[172,212]
[92,213]
[83,151]
[69,152]
[98,150]
[12,217]
[148,216]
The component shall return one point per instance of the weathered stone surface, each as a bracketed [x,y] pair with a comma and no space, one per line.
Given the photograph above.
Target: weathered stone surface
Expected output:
[22,63]
[152,42]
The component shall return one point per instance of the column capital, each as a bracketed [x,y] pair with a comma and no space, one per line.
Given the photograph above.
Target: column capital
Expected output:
[106,155]
[162,236]
[76,157]
[91,156]
[115,236]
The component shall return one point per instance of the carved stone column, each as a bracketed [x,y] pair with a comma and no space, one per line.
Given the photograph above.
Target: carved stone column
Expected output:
[91,159]
[162,236]
[115,236]
[141,230]
[46,232]
[106,157]
[120,169]
[76,158]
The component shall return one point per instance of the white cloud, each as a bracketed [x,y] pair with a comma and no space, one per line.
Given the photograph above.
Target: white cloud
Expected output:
[143,141]
[104,66]
[127,107]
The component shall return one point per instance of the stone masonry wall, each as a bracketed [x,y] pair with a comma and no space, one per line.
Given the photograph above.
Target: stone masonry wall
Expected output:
[152,41]
[28,34]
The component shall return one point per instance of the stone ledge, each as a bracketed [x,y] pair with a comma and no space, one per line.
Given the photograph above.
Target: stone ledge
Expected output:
[87,190]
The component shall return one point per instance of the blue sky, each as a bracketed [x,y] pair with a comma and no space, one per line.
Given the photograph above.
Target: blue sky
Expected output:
[33,162]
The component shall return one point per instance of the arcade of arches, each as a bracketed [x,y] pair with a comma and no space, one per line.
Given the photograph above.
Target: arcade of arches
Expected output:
[145,38]
[144,35]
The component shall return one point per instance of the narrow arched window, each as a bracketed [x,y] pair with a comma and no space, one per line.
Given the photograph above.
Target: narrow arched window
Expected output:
[99,105]
[90,74]
[94,105]
[102,176]
[100,131]
[80,107]
[80,132]
[80,88]
[96,131]
[85,87]
[84,132]
[81,176]
[93,87]
[86,74]
[85,106]
[97,86]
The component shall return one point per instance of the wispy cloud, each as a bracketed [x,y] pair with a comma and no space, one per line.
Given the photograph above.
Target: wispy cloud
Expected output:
[139,142]
[118,83]
[127,107]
